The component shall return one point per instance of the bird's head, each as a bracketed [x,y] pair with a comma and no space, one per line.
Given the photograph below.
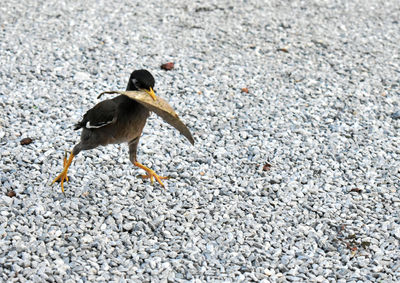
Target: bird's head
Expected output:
[142,80]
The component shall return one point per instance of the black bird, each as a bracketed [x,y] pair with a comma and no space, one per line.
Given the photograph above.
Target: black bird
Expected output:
[116,120]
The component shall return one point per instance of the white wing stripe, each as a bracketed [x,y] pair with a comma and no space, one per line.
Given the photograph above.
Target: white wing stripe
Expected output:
[88,126]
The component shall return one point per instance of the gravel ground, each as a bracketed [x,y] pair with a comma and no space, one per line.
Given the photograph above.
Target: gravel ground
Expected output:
[295,180]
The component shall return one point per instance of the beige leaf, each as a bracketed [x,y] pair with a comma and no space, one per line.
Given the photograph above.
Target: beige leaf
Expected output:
[160,107]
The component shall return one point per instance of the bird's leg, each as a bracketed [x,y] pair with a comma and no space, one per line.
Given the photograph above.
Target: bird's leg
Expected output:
[65,163]
[150,174]
[63,175]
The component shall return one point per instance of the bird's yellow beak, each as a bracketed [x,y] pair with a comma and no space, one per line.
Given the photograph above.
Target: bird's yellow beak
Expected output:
[151,93]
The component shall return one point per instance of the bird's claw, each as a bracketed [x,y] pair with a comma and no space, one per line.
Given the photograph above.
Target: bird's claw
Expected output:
[154,176]
[151,174]
[63,175]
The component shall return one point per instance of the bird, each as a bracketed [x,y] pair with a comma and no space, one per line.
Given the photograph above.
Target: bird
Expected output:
[121,120]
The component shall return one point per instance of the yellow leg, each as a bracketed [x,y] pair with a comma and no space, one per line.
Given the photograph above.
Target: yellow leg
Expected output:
[63,175]
[65,163]
[150,174]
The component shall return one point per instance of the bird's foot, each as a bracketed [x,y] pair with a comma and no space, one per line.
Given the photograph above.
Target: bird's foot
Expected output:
[151,174]
[61,178]
[157,177]
[63,175]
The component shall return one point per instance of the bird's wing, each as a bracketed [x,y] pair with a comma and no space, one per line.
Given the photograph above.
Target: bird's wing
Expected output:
[160,107]
[102,114]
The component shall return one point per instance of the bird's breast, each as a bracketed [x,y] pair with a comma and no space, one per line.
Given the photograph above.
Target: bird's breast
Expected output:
[130,124]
